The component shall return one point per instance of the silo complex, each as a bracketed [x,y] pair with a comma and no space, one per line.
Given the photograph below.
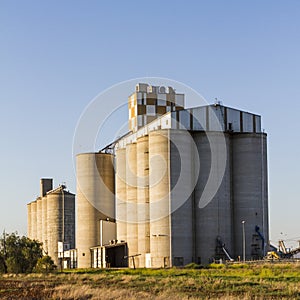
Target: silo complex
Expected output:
[52,218]
[95,201]
[182,186]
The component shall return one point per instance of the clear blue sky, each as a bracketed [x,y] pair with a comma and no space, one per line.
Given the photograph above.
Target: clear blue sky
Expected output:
[55,56]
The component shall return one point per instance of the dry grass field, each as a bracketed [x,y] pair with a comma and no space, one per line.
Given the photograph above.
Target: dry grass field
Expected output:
[236,281]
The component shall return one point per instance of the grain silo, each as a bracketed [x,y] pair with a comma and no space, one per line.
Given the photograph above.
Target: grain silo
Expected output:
[39,217]
[60,220]
[121,194]
[131,190]
[95,201]
[33,220]
[214,220]
[44,224]
[29,234]
[143,199]
[250,194]
[159,198]
[182,166]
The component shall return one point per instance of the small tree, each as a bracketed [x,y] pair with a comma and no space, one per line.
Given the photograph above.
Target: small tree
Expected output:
[45,265]
[19,254]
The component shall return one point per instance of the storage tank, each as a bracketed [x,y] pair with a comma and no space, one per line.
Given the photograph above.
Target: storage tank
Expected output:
[39,219]
[95,201]
[182,184]
[121,195]
[250,193]
[54,223]
[33,220]
[44,224]
[29,235]
[213,221]
[143,199]
[131,189]
[60,220]
[159,198]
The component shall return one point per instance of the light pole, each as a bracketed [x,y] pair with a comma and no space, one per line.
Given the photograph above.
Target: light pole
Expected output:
[244,241]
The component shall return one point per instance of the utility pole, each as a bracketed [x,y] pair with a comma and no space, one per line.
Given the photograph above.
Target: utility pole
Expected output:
[244,241]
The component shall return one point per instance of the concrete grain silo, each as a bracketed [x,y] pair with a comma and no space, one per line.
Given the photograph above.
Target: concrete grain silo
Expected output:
[159,198]
[33,220]
[54,224]
[214,220]
[60,220]
[131,190]
[121,195]
[29,234]
[143,199]
[95,201]
[44,224]
[39,217]
[250,183]
[182,182]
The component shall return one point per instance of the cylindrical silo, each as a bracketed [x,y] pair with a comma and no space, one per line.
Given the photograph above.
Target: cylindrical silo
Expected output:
[39,217]
[143,199]
[95,201]
[60,220]
[131,190]
[69,218]
[213,203]
[29,235]
[250,193]
[121,195]
[44,224]
[33,220]
[54,223]
[181,191]
[159,198]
